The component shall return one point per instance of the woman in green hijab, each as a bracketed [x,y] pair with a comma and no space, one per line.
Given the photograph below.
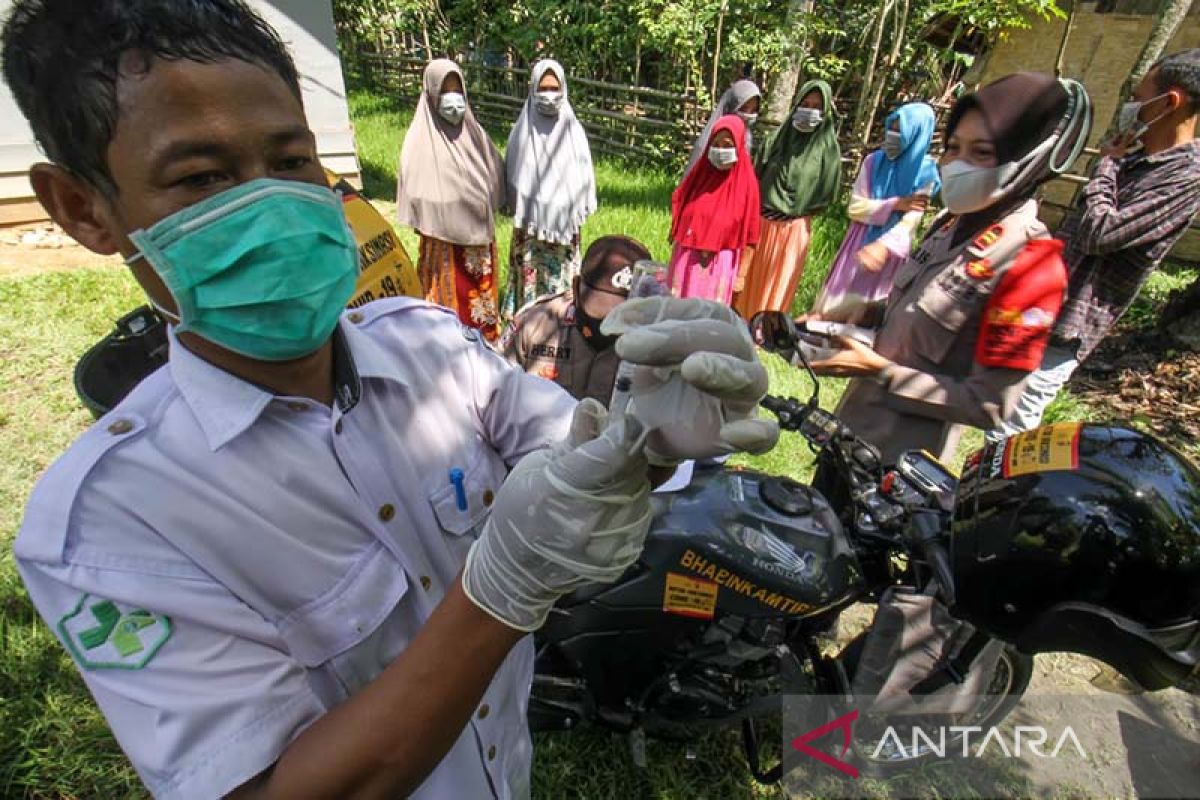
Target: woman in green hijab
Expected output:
[799,170]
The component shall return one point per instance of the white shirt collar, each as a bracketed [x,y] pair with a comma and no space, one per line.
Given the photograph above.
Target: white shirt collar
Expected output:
[226,405]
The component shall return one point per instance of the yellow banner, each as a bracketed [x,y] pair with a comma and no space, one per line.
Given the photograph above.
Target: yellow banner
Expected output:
[384,268]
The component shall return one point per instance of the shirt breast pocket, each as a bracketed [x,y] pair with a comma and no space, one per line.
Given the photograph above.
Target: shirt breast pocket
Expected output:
[462,504]
[332,635]
[949,301]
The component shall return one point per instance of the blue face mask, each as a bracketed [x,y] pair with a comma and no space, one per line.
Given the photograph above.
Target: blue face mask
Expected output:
[263,269]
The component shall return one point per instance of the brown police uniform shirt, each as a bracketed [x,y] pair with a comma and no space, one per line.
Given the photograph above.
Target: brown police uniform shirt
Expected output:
[964,325]
[545,341]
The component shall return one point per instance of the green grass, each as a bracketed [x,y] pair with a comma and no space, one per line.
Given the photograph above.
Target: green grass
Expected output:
[1143,314]
[53,741]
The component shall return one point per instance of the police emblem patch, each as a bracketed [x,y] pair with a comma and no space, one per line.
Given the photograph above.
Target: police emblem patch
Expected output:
[102,634]
[623,278]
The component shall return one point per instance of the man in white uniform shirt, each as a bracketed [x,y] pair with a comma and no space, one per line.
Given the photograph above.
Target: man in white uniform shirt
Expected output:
[256,560]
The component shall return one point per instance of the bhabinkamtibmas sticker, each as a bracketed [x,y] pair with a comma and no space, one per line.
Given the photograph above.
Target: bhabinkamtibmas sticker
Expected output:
[690,597]
[1052,447]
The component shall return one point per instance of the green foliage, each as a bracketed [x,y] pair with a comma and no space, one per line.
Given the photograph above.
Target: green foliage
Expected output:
[1144,313]
[680,45]
[993,17]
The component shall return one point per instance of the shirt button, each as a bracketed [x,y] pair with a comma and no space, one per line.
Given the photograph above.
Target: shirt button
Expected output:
[492,753]
[355,317]
[488,497]
[337,426]
[426,582]
[296,405]
[484,710]
[120,426]
[386,512]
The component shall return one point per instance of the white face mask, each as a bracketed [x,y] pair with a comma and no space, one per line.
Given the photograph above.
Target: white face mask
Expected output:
[967,188]
[1128,123]
[548,103]
[722,157]
[806,120]
[893,146]
[452,107]
[749,119]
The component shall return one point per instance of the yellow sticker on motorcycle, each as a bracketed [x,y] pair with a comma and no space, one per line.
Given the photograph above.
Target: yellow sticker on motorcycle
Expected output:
[1052,447]
[690,597]
[384,267]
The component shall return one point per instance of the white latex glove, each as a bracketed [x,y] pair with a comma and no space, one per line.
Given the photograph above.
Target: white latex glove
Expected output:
[574,514]
[699,379]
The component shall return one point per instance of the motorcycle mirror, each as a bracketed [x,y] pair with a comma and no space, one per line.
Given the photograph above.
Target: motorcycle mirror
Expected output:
[776,332]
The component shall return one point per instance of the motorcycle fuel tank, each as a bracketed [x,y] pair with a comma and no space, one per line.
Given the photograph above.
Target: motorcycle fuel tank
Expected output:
[745,543]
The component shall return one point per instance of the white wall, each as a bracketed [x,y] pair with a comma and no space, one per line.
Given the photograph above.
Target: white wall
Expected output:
[307,28]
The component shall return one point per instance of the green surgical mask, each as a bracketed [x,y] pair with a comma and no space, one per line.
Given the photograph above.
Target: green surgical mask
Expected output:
[263,269]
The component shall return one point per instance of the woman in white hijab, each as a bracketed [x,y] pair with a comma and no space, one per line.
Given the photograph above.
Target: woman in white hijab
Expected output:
[741,98]
[450,185]
[551,187]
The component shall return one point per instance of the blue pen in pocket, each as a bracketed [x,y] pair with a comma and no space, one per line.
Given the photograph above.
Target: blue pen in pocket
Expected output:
[460,491]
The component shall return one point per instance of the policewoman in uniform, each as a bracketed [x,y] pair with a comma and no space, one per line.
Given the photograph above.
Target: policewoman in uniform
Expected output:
[299,560]
[558,336]
[971,310]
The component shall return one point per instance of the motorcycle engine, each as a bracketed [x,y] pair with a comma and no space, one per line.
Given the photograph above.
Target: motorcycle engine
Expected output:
[734,671]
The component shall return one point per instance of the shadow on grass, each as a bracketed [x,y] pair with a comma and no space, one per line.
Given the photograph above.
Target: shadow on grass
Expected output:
[378,183]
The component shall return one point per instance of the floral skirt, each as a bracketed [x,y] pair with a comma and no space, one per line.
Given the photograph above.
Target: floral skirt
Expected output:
[462,278]
[537,268]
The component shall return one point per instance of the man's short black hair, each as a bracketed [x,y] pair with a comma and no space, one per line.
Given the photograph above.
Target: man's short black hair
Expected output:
[62,58]
[1181,71]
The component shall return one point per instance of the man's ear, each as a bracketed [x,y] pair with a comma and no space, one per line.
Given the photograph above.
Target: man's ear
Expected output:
[1180,100]
[76,206]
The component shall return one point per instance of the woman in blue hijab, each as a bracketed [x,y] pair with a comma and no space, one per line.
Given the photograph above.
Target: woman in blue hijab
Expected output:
[886,205]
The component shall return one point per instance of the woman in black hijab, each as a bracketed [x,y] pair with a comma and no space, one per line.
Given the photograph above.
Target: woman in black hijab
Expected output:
[972,308]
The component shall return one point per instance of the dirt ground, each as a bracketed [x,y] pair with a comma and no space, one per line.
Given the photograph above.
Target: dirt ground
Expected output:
[1144,376]
[31,249]
[41,248]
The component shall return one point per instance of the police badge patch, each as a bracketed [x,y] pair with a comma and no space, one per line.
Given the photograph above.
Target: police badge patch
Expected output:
[102,634]
[623,279]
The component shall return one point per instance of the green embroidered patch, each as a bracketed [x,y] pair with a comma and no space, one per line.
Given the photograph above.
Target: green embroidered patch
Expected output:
[102,634]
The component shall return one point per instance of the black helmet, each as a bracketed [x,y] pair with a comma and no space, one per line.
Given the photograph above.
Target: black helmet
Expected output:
[118,362]
[1084,538]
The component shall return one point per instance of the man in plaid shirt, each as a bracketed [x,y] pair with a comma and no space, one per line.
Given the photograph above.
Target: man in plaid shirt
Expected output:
[1142,197]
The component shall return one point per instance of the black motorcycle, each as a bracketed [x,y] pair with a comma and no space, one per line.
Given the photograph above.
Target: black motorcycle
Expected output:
[741,576]
[744,574]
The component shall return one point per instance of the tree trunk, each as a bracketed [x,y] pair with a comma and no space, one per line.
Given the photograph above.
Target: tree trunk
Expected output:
[877,95]
[716,65]
[1170,16]
[1062,45]
[779,102]
[868,84]
[425,39]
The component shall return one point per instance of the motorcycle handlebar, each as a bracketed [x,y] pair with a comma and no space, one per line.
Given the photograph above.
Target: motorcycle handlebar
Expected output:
[860,464]
[820,428]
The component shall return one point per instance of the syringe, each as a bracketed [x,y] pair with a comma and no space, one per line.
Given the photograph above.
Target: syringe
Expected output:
[649,280]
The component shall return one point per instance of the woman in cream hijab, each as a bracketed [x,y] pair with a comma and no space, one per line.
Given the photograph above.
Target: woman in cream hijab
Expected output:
[451,184]
[551,186]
